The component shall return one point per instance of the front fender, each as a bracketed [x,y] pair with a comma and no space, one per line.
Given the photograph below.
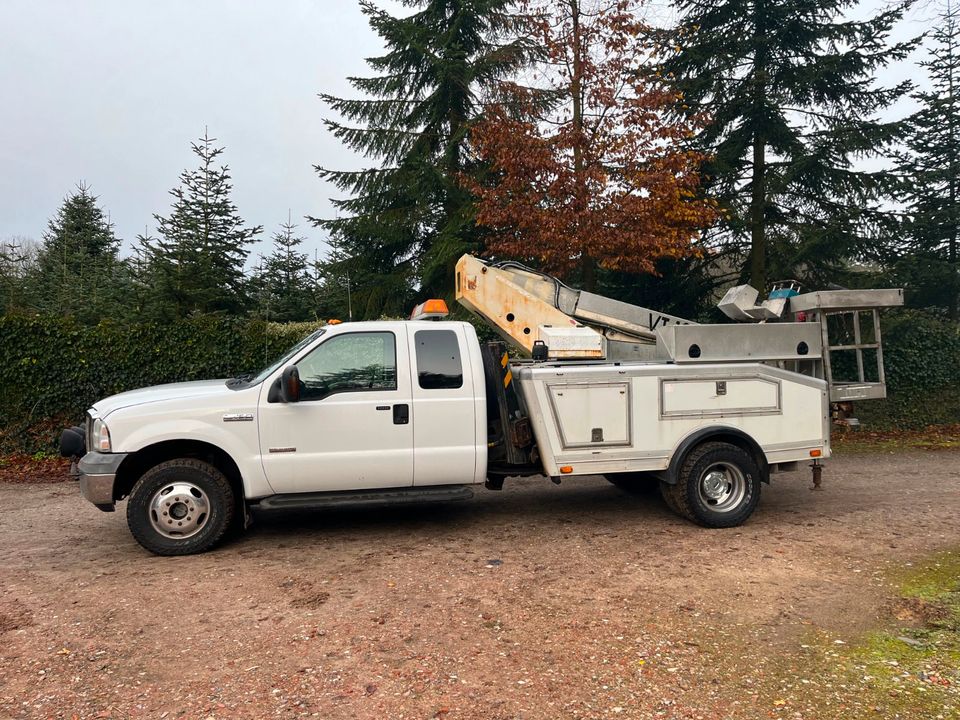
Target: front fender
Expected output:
[239,440]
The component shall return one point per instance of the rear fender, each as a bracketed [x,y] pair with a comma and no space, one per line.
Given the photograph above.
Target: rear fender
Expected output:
[716,433]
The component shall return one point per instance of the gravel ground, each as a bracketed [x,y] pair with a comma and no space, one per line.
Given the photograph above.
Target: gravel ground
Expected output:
[536,602]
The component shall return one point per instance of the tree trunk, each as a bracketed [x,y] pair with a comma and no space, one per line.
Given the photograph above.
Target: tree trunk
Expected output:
[758,240]
[952,305]
[758,199]
[588,265]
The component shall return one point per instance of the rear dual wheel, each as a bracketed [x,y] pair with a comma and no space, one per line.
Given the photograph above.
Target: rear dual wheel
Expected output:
[718,486]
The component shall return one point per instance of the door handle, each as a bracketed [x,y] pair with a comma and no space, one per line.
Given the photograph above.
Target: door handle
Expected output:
[401,414]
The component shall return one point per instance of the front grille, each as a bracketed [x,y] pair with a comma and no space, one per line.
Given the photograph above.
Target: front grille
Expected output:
[88,433]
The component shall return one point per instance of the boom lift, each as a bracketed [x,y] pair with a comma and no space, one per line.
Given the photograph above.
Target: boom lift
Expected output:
[548,320]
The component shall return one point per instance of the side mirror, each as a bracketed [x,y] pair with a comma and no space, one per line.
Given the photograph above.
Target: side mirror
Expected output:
[290,384]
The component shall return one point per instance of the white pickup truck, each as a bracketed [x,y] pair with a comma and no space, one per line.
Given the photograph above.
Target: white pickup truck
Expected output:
[419,410]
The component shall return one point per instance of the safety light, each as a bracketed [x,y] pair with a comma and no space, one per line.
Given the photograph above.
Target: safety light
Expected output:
[566,469]
[430,310]
[816,453]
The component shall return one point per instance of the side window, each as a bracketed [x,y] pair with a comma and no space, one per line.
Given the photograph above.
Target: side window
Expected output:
[438,359]
[350,363]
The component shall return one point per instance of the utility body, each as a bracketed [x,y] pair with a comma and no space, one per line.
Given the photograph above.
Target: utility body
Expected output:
[419,410]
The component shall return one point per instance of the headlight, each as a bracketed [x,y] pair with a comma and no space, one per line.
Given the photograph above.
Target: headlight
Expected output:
[101,436]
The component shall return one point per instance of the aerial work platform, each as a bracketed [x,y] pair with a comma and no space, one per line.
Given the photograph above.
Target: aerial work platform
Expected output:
[821,334]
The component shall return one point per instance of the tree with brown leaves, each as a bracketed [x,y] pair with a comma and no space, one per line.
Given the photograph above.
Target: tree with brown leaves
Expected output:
[601,177]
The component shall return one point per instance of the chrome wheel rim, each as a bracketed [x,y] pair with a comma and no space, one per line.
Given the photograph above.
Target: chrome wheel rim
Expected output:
[722,487]
[179,510]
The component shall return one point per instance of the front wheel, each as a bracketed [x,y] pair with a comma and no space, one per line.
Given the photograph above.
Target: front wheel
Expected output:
[718,486]
[180,507]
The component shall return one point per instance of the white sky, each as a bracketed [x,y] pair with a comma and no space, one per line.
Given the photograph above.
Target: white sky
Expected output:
[111,92]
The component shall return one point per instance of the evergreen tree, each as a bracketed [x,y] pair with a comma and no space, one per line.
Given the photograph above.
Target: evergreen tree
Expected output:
[77,271]
[17,255]
[284,280]
[406,222]
[930,166]
[197,263]
[789,88]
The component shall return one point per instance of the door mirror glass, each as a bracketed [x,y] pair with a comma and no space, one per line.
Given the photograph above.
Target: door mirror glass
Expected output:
[290,384]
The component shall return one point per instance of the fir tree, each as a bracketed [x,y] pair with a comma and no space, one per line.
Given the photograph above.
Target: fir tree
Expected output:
[284,279]
[406,222]
[17,255]
[77,271]
[197,263]
[789,87]
[930,166]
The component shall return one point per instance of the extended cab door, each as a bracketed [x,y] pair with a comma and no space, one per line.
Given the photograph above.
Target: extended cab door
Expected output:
[444,405]
[352,428]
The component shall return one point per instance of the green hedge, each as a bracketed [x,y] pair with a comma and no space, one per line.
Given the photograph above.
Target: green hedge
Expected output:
[53,369]
[921,358]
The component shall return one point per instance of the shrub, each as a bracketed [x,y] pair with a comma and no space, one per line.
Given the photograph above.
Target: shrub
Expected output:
[53,369]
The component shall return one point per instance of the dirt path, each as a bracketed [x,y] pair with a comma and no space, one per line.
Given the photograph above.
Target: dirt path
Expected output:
[537,602]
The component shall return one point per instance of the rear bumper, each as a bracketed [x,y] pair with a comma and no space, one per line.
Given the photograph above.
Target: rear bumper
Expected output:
[98,472]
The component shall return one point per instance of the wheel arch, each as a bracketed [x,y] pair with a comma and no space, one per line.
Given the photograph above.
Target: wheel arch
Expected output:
[137,463]
[716,433]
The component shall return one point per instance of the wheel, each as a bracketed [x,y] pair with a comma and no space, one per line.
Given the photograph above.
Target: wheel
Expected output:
[639,483]
[718,486]
[180,507]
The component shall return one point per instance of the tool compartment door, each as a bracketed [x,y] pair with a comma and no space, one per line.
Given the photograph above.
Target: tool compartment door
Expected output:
[721,397]
[595,414]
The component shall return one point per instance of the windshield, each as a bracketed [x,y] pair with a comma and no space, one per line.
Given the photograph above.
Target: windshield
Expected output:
[285,358]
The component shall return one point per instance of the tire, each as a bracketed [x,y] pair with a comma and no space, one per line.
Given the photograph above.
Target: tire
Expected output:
[666,492]
[635,483]
[718,486]
[181,507]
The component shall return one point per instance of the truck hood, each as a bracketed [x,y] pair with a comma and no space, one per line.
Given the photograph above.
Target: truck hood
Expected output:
[158,393]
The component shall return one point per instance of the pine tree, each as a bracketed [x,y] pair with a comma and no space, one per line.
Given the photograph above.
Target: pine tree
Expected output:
[17,255]
[407,221]
[197,263]
[284,279]
[789,85]
[77,271]
[930,165]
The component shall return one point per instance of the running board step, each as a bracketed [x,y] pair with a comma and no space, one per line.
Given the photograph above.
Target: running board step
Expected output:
[366,498]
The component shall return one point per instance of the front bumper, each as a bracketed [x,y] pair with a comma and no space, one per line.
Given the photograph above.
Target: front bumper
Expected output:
[98,471]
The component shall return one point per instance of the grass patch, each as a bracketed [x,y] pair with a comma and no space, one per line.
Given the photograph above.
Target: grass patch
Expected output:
[907,671]
[933,437]
[916,666]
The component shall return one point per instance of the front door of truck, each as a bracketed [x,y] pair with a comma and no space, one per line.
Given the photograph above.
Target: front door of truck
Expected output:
[352,429]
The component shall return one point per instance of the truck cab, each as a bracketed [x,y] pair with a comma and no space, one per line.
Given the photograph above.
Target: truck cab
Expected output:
[381,405]
[354,407]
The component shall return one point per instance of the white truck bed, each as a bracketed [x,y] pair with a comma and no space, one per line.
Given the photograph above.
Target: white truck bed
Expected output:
[611,418]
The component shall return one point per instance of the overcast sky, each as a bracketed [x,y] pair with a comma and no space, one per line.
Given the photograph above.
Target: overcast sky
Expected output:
[111,92]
